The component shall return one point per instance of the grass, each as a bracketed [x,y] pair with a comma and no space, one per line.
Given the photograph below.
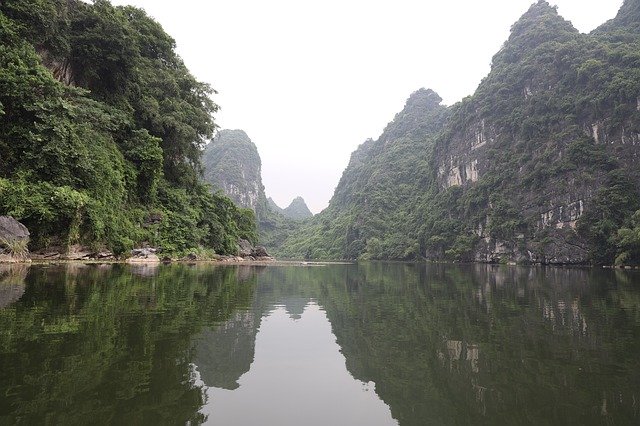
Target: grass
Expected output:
[16,248]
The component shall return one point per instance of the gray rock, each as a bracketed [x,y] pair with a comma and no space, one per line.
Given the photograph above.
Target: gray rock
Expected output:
[144,255]
[11,229]
[245,248]
[14,238]
[259,252]
[104,255]
[79,252]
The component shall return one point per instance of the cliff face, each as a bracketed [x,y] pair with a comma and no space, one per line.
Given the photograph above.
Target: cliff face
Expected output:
[231,163]
[539,165]
[553,127]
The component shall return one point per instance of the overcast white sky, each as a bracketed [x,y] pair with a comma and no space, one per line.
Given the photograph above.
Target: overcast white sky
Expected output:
[311,80]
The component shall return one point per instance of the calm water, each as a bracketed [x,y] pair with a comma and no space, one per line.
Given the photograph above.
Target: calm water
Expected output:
[371,344]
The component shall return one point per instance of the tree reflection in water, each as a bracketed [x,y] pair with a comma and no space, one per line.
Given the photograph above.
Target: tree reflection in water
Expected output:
[441,344]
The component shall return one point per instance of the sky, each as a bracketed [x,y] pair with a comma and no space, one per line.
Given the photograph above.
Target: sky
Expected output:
[311,80]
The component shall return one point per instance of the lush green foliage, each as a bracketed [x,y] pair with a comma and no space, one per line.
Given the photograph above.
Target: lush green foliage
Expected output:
[552,133]
[112,158]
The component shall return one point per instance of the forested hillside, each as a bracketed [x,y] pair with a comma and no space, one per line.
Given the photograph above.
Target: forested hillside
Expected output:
[539,165]
[101,131]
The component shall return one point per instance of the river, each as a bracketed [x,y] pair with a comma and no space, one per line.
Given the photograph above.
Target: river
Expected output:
[366,344]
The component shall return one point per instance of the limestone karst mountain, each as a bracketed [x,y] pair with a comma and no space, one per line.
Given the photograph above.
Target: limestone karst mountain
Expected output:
[231,163]
[297,209]
[540,164]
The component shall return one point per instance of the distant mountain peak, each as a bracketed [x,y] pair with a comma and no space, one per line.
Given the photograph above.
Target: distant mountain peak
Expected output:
[410,121]
[424,97]
[273,206]
[627,19]
[539,25]
[296,210]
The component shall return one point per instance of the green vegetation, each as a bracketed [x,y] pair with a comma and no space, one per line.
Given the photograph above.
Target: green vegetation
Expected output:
[377,202]
[628,242]
[232,165]
[16,248]
[297,210]
[539,165]
[101,130]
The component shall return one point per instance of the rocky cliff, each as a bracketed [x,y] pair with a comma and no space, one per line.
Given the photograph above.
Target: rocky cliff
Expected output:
[539,165]
[232,164]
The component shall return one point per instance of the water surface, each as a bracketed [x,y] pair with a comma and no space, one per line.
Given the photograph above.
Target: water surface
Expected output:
[369,344]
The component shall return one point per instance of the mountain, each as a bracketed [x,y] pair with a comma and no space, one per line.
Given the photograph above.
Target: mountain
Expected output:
[539,165]
[297,210]
[232,164]
[101,130]
[273,206]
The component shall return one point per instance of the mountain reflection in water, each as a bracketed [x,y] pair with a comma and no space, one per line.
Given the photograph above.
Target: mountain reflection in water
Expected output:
[298,377]
[374,343]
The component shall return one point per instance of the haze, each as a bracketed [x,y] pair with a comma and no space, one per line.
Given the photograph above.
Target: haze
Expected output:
[311,80]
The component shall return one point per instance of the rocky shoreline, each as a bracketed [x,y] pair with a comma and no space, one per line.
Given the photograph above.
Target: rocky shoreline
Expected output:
[14,240]
[145,255]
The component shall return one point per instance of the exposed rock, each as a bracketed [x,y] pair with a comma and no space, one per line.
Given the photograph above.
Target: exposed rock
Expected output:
[143,255]
[11,229]
[153,219]
[14,238]
[259,252]
[50,253]
[78,252]
[232,164]
[60,68]
[245,248]
[248,252]
[508,164]
[104,255]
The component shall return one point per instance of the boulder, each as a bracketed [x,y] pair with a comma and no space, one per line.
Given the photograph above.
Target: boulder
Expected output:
[146,255]
[11,229]
[259,252]
[14,238]
[245,248]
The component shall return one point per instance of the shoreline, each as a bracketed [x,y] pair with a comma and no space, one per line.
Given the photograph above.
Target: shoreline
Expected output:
[187,262]
[238,261]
